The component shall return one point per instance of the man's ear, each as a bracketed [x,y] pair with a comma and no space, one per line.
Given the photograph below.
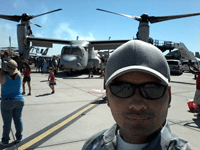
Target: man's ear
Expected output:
[169,93]
[107,97]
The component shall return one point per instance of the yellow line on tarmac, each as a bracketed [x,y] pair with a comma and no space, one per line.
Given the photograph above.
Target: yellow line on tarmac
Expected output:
[40,137]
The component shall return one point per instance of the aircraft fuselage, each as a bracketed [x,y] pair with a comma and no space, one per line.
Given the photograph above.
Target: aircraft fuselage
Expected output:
[76,58]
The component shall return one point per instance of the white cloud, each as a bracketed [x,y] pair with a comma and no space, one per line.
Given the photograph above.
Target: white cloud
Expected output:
[90,37]
[65,32]
[19,3]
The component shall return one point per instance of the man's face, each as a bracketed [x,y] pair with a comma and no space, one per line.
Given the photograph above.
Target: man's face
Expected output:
[137,116]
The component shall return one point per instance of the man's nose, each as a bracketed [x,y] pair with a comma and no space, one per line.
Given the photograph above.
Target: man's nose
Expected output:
[137,102]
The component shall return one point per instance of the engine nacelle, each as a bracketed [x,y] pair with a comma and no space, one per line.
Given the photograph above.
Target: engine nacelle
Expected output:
[23,44]
[143,31]
[96,62]
[94,58]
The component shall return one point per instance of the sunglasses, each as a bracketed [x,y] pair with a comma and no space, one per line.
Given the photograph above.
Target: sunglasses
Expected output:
[149,90]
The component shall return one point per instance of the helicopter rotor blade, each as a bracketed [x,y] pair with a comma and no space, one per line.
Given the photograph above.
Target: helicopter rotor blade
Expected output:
[31,17]
[34,23]
[153,19]
[11,18]
[133,17]
[24,17]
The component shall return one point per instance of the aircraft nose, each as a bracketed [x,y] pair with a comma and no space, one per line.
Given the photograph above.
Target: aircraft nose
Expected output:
[69,59]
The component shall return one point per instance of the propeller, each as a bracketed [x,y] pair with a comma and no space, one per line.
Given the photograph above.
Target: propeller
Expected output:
[153,19]
[133,17]
[25,17]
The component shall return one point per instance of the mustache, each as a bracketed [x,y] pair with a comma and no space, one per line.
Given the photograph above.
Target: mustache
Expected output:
[138,113]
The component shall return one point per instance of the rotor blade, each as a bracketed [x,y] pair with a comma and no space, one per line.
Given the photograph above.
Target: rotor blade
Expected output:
[34,23]
[31,17]
[12,18]
[153,19]
[133,17]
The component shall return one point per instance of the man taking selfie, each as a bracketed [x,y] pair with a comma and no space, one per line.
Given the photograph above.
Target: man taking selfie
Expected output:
[139,94]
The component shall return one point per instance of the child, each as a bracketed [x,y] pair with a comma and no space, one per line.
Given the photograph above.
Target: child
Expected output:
[27,77]
[52,81]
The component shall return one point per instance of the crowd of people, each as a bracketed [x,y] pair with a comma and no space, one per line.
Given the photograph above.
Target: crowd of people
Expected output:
[12,101]
[42,64]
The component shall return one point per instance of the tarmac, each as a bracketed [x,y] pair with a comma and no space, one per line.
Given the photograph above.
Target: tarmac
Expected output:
[77,110]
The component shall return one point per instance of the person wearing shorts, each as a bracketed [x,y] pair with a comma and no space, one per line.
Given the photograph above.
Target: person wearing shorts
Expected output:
[27,78]
[52,80]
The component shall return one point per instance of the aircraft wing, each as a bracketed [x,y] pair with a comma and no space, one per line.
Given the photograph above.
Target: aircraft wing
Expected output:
[98,45]
[46,42]
[107,44]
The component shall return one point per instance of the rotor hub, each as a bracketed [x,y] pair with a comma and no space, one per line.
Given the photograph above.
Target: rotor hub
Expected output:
[145,18]
[25,17]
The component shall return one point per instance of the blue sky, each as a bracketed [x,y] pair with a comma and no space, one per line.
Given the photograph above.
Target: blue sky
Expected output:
[80,18]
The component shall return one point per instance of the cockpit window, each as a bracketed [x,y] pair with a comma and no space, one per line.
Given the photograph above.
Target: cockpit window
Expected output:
[72,51]
[66,51]
[76,51]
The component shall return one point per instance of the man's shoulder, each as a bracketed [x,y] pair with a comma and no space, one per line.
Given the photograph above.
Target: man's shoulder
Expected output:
[89,142]
[178,142]
[173,141]
[102,138]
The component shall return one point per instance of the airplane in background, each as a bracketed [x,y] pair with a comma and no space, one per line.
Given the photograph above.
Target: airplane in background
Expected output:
[12,50]
[78,52]
[35,51]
